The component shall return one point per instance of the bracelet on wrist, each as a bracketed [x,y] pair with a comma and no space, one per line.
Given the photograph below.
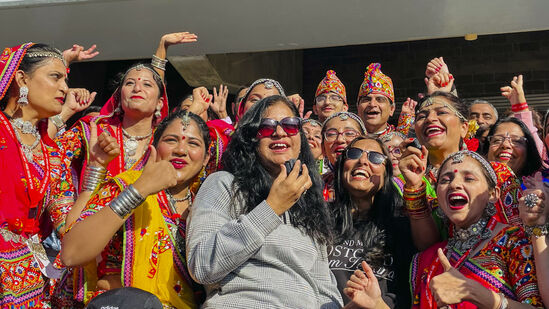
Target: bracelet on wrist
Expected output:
[519,107]
[126,202]
[159,63]
[58,122]
[93,176]
[504,303]
[536,230]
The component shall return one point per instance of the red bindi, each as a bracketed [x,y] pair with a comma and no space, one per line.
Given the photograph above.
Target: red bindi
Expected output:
[139,78]
[455,171]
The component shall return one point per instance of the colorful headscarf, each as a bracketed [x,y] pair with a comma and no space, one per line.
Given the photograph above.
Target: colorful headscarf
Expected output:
[9,63]
[269,83]
[376,82]
[331,83]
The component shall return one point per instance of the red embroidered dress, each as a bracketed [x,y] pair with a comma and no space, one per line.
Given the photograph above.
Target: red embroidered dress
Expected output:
[505,265]
[35,195]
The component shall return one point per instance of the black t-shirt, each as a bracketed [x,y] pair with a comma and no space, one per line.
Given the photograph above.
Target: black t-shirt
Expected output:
[392,274]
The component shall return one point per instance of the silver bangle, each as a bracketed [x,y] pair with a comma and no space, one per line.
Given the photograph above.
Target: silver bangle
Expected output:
[126,202]
[504,304]
[58,122]
[158,63]
[93,177]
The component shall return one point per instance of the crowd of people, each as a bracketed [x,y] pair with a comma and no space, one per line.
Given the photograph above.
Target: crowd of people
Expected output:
[276,207]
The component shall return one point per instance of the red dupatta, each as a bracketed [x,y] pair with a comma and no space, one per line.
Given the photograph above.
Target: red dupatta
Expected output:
[108,119]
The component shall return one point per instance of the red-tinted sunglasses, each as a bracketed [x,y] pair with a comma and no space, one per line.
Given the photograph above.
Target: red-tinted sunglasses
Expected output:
[290,125]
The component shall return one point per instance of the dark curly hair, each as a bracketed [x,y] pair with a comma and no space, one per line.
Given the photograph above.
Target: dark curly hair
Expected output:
[533,159]
[252,182]
[376,231]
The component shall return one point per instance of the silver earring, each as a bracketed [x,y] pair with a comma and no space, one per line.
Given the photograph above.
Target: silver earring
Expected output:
[490,209]
[23,92]
[441,214]
[157,113]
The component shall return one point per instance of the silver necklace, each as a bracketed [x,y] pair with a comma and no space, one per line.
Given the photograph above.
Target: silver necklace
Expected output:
[466,239]
[130,145]
[24,127]
[171,203]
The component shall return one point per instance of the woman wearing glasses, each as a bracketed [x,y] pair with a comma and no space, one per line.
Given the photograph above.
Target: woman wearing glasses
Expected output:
[510,142]
[338,131]
[257,232]
[366,227]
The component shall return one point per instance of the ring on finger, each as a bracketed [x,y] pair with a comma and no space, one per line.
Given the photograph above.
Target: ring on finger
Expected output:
[531,200]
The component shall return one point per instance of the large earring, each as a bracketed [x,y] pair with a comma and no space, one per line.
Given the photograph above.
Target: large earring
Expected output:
[440,214]
[490,209]
[157,113]
[23,93]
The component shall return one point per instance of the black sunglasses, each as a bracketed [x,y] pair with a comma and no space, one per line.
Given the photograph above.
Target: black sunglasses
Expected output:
[375,157]
[290,125]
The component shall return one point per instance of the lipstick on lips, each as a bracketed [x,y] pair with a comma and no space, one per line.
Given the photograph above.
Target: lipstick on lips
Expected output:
[178,163]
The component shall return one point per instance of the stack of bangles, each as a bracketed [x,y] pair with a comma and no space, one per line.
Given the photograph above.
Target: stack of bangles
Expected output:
[519,107]
[126,202]
[158,63]
[415,202]
[93,176]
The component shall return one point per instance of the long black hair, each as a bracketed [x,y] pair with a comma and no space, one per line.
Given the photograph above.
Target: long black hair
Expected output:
[376,230]
[533,159]
[252,182]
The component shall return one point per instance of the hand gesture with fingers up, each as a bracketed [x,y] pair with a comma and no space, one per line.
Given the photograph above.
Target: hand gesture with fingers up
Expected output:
[435,66]
[515,94]
[219,104]
[102,148]
[363,289]
[450,287]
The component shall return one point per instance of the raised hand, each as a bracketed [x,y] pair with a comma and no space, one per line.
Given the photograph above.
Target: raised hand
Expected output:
[409,107]
[288,188]
[363,288]
[435,66]
[76,100]
[219,104]
[77,53]
[450,287]
[157,175]
[102,148]
[515,92]
[412,164]
[201,101]
[441,81]
[300,104]
[178,38]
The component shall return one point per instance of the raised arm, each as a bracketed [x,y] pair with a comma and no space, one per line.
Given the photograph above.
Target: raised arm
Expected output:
[412,165]
[159,57]
[103,216]
[515,94]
